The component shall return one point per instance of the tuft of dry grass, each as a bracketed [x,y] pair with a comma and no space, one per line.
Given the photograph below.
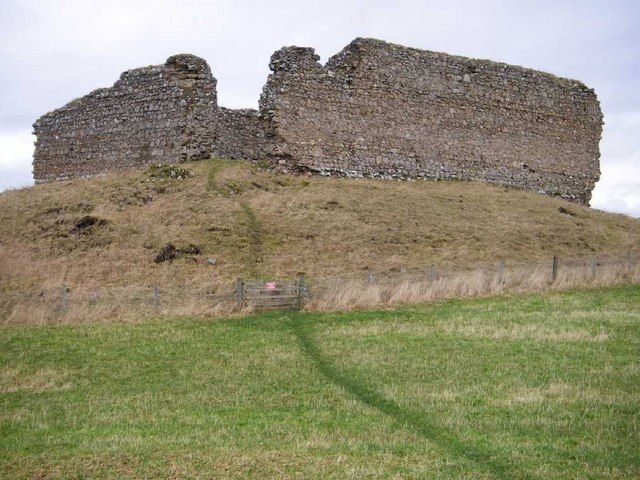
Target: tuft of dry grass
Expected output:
[14,380]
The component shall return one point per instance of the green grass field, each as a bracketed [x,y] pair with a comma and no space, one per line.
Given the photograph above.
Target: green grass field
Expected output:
[537,386]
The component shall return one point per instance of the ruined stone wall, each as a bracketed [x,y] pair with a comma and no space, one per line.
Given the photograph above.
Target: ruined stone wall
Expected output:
[375,109]
[151,115]
[384,110]
[159,114]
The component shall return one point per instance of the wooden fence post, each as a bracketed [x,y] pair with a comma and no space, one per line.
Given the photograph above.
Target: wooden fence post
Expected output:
[240,292]
[500,272]
[300,290]
[370,278]
[629,262]
[554,268]
[156,296]
[594,266]
[433,273]
[65,303]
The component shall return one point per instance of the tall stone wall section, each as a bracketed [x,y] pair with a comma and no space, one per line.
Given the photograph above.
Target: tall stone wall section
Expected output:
[384,110]
[374,109]
[150,115]
[159,114]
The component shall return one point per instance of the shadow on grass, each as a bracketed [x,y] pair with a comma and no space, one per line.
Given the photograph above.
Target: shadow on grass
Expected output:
[417,422]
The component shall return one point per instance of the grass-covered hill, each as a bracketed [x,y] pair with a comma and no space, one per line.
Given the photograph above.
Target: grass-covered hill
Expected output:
[231,218]
[528,387]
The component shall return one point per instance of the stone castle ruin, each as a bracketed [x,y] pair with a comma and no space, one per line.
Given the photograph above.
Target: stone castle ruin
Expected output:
[374,109]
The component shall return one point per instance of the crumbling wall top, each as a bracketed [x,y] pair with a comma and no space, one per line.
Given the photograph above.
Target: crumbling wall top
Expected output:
[293,58]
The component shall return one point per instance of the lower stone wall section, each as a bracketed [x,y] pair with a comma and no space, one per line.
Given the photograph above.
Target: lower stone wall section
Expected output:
[242,134]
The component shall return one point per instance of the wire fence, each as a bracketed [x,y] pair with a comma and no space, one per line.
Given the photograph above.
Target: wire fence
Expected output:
[366,288]
[402,286]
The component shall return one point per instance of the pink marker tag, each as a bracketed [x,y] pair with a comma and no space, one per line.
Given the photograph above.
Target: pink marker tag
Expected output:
[271,286]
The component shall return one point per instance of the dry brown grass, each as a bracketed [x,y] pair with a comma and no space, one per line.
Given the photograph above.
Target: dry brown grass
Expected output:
[14,380]
[347,294]
[330,294]
[325,227]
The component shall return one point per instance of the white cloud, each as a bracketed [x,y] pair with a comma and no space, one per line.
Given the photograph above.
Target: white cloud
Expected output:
[619,187]
[618,191]
[16,151]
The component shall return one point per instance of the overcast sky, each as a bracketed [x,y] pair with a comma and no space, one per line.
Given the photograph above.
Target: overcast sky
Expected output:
[54,51]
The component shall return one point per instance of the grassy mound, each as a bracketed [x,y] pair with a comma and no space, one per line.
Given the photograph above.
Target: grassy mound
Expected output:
[248,221]
[543,386]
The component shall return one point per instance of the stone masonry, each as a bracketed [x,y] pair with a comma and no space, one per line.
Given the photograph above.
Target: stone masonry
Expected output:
[374,109]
